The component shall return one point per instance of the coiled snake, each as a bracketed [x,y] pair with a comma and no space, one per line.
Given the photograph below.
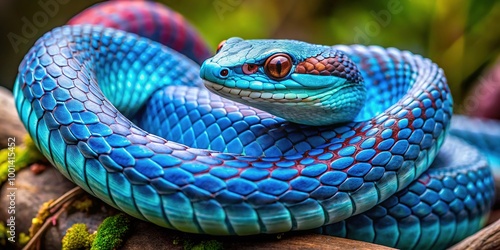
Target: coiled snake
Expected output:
[130,121]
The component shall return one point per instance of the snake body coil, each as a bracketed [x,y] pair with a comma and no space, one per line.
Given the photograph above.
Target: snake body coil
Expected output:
[224,168]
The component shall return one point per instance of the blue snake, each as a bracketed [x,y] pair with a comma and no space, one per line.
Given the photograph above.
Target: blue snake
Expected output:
[343,147]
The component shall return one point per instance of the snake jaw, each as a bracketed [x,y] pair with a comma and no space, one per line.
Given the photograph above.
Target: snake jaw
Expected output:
[307,106]
[256,96]
[270,96]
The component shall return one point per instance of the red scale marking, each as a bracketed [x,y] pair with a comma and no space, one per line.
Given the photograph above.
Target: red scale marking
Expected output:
[424,179]
[148,22]
[167,28]
[181,32]
[319,65]
[126,14]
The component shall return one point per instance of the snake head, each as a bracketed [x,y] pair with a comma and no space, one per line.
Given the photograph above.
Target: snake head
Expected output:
[300,82]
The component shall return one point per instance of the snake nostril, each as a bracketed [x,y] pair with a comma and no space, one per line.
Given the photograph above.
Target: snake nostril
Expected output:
[224,72]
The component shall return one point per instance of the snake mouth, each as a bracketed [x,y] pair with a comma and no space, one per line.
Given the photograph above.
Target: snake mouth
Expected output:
[267,96]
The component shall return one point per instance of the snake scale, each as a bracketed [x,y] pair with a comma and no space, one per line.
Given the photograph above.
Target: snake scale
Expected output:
[131,122]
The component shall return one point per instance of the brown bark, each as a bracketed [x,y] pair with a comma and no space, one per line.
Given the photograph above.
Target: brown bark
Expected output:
[147,236]
[308,241]
[487,238]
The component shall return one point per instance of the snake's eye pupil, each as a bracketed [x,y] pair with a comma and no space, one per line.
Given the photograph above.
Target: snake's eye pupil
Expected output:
[219,47]
[224,72]
[249,68]
[278,66]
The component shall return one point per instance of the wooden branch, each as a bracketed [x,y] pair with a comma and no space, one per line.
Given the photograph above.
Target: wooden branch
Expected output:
[147,236]
[307,241]
[487,238]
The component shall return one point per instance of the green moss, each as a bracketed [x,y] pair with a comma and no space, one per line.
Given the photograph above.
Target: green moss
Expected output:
[23,239]
[83,205]
[92,238]
[76,238]
[111,232]
[175,241]
[19,157]
[3,234]
[42,215]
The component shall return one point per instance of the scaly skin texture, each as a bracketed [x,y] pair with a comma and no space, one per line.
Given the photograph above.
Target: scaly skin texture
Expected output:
[224,168]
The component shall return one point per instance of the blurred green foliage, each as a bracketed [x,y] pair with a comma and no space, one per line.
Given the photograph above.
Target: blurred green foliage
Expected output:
[461,36]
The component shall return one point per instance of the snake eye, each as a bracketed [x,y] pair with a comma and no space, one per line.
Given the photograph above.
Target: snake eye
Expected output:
[278,66]
[249,68]
[219,47]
